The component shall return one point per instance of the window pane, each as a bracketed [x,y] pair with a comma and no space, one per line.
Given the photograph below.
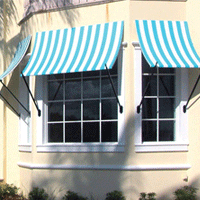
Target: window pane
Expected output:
[149,131]
[55,76]
[73,89]
[73,111]
[106,87]
[109,132]
[73,132]
[166,108]
[166,130]
[55,111]
[166,85]
[91,110]
[91,88]
[91,132]
[91,73]
[73,75]
[166,70]
[149,108]
[109,109]
[55,90]
[152,88]
[55,133]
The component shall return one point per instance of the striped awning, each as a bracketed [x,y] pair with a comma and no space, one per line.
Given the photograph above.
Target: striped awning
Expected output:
[19,55]
[167,43]
[78,49]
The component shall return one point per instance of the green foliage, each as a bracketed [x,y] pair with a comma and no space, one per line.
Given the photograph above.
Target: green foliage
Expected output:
[186,193]
[8,191]
[149,196]
[38,194]
[115,195]
[73,196]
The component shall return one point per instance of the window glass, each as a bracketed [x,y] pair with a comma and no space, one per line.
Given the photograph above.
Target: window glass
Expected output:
[158,106]
[73,111]
[73,132]
[82,107]
[55,132]
[91,132]
[73,89]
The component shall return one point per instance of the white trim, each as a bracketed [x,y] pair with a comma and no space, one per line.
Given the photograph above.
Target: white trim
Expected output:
[25,148]
[80,148]
[106,167]
[161,147]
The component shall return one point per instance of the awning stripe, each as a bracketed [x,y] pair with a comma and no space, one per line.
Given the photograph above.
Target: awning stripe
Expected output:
[78,49]
[19,55]
[167,43]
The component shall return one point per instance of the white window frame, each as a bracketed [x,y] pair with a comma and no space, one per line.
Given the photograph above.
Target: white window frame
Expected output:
[25,134]
[80,147]
[181,132]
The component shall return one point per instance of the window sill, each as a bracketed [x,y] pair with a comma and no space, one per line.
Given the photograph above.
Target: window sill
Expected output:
[25,148]
[80,148]
[161,147]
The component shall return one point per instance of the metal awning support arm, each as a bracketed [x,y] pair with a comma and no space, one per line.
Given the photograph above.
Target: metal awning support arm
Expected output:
[120,106]
[185,106]
[34,101]
[145,91]
[15,99]
[18,114]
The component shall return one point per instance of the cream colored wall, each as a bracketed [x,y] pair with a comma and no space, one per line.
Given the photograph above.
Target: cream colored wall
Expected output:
[193,18]
[101,182]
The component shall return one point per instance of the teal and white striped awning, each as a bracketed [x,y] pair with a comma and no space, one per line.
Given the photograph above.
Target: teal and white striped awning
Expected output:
[19,55]
[167,43]
[78,49]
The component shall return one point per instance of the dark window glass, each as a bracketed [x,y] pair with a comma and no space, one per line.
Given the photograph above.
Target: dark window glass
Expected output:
[55,90]
[91,132]
[55,111]
[91,110]
[166,108]
[109,131]
[166,85]
[73,111]
[91,88]
[150,85]
[149,108]
[166,132]
[73,89]
[109,109]
[55,133]
[149,131]
[73,132]
[106,87]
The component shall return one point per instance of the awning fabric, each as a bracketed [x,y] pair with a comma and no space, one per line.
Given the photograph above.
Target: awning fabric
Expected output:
[78,49]
[167,43]
[19,55]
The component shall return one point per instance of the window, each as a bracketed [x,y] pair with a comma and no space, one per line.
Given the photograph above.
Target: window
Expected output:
[161,124]
[80,111]
[158,108]
[82,107]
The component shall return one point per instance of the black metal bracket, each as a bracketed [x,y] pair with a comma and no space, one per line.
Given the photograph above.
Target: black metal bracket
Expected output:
[34,101]
[111,81]
[145,91]
[185,106]
[15,99]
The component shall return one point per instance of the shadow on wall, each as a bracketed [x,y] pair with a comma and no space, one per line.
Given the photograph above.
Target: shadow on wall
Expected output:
[93,182]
